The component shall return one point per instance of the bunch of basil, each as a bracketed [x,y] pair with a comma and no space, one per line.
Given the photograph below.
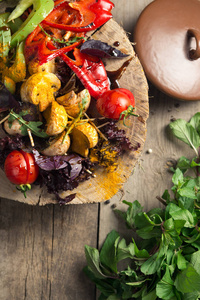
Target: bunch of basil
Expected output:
[163,262]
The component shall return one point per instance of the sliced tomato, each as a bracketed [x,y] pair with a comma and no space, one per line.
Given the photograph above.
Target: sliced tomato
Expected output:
[20,167]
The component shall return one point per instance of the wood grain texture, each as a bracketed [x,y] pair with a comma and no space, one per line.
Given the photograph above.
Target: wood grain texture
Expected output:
[42,251]
[105,185]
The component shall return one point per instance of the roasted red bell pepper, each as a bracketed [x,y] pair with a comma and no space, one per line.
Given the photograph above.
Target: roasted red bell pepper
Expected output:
[91,72]
[39,45]
[45,54]
[92,14]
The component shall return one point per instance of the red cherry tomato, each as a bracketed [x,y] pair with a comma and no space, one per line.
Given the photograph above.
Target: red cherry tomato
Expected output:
[20,167]
[116,104]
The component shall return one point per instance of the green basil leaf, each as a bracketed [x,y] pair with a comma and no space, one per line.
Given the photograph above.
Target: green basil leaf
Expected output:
[124,251]
[164,288]
[140,253]
[183,164]
[195,121]
[188,280]
[177,178]
[150,296]
[93,261]
[181,214]
[149,232]
[152,265]
[129,272]
[191,296]
[103,286]
[134,209]
[169,224]
[187,192]
[194,164]
[136,283]
[195,261]
[181,261]
[108,255]
[186,132]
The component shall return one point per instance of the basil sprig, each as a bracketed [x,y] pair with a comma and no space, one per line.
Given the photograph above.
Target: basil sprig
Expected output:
[164,253]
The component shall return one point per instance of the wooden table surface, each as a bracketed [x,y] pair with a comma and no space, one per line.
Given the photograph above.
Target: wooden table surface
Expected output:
[42,248]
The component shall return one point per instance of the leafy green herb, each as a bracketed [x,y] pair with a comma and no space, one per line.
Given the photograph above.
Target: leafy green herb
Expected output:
[33,126]
[164,261]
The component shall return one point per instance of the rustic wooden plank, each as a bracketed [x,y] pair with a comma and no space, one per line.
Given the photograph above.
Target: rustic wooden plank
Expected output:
[42,251]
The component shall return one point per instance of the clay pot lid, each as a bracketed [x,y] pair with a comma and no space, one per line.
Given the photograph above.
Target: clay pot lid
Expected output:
[167,37]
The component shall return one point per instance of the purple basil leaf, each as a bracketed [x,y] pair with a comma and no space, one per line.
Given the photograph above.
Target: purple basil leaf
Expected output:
[57,162]
[7,100]
[63,201]
[101,49]
[49,163]
[76,166]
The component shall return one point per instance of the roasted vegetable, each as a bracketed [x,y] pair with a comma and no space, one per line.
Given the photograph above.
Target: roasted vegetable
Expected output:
[41,8]
[57,146]
[35,67]
[17,72]
[91,72]
[73,102]
[39,89]
[87,15]
[56,118]
[13,128]
[84,137]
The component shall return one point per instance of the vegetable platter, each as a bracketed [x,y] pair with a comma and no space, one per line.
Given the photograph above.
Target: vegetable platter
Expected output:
[119,71]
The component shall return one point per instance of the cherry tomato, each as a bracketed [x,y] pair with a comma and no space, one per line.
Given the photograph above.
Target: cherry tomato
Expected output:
[20,167]
[116,104]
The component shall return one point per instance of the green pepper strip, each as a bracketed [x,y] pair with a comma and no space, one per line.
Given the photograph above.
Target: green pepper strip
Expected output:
[17,72]
[41,8]
[5,37]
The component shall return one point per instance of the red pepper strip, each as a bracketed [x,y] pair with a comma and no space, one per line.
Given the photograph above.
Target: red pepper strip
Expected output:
[94,13]
[63,14]
[91,72]
[45,54]
[39,45]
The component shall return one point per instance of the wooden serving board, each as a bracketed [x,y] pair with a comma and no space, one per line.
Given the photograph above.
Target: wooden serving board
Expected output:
[104,185]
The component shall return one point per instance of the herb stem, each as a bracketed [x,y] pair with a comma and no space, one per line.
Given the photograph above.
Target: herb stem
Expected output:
[4,119]
[161,200]
[97,129]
